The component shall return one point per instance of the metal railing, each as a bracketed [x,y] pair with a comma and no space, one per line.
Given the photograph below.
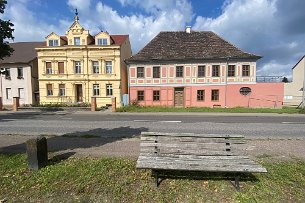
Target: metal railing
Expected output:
[269,78]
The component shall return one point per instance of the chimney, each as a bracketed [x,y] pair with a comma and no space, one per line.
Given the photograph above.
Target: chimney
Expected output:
[188,29]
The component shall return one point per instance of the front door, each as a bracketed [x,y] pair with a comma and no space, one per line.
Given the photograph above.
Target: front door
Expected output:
[79,93]
[179,97]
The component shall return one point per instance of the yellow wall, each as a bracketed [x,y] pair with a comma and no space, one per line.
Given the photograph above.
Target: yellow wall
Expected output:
[86,54]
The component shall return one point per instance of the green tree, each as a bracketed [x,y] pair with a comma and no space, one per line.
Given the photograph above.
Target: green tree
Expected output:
[285,80]
[6,33]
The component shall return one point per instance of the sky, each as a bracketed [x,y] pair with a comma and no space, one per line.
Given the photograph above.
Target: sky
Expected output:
[273,29]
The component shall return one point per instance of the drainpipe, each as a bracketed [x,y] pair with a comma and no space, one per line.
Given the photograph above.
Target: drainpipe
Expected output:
[226,84]
[303,96]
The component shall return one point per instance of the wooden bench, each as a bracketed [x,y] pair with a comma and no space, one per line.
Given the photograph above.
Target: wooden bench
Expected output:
[194,152]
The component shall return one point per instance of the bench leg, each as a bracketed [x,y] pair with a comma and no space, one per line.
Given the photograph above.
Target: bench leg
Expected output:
[156,179]
[237,177]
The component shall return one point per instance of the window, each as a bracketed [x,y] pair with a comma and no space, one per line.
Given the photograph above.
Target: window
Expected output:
[179,71]
[95,67]
[156,72]
[140,72]
[141,95]
[96,90]
[21,93]
[108,89]
[215,95]
[19,72]
[62,90]
[231,71]
[53,42]
[200,95]
[76,40]
[48,68]
[245,91]
[246,70]
[108,65]
[49,89]
[201,71]
[8,73]
[215,70]
[77,67]
[102,41]
[61,67]
[8,93]
[156,95]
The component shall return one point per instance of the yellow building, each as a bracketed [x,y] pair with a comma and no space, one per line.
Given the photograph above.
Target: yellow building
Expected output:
[75,67]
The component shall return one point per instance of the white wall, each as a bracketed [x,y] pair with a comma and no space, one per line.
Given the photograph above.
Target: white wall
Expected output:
[15,84]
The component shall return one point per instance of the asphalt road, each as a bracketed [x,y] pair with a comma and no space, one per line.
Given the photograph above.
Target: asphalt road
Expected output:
[128,125]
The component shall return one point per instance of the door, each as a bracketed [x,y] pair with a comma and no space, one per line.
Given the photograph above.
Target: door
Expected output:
[179,97]
[79,93]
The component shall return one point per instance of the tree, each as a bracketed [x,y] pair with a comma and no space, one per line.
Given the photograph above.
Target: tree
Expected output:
[285,80]
[6,33]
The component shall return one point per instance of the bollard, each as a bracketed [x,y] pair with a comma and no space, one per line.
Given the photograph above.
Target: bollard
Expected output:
[37,151]
[15,103]
[113,105]
[93,103]
[1,105]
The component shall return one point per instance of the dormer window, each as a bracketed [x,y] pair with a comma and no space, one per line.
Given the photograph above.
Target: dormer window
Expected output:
[76,40]
[53,42]
[102,41]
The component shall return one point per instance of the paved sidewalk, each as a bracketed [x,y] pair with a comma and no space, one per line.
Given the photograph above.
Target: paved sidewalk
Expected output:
[277,149]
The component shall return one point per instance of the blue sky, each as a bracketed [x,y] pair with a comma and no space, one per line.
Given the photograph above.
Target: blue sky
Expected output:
[264,27]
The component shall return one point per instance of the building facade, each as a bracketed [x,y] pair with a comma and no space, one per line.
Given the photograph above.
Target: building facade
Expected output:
[75,67]
[20,74]
[294,90]
[197,69]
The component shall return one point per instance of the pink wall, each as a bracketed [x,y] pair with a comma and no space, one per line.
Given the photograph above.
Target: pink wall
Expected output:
[262,95]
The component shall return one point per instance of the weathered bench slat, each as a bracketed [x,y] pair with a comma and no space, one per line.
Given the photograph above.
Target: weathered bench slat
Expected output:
[203,152]
[165,163]
[148,139]
[219,146]
[191,135]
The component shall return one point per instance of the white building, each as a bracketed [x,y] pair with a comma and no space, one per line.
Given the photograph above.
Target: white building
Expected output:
[294,90]
[21,74]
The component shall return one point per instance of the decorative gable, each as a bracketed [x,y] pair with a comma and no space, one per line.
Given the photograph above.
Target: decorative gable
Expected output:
[102,38]
[53,39]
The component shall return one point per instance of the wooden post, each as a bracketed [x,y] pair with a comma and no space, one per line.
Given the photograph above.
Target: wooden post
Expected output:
[37,151]
[93,103]
[15,103]
[113,106]
[1,105]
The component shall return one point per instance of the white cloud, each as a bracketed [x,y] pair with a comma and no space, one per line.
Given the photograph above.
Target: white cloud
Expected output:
[263,27]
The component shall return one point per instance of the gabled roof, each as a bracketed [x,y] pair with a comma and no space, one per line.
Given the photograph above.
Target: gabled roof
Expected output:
[193,46]
[298,62]
[24,52]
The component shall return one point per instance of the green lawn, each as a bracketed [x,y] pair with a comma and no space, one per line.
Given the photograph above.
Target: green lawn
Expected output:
[117,180]
[134,108]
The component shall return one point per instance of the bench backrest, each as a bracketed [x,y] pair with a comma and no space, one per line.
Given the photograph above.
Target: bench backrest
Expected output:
[167,144]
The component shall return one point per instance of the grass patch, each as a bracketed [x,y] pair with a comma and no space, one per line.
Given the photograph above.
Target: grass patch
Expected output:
[134,108]
[117,180]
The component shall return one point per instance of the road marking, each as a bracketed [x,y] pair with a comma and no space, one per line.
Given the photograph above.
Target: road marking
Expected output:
[157,121]
[293,122]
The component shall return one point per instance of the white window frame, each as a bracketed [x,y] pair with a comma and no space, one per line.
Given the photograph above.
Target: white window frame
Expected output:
[53,42]
[21,75]
[108,68]
[77,67]
[74,40]
[109,90]
[19,93]
[96,90]
[102,41]
[8,92]
[50,92]
[62,91]
[49,70]
[95,67]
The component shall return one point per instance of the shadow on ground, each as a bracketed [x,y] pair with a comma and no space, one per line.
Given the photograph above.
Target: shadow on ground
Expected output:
[84,139]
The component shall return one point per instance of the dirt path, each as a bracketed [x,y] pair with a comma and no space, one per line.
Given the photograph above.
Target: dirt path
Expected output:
[96,147]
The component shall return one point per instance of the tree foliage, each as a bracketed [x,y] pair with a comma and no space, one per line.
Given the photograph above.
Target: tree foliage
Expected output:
[6,33]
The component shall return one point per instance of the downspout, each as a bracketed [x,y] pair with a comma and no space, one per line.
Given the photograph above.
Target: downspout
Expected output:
[303,96]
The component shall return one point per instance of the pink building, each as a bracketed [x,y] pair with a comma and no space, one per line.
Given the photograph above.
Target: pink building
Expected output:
[198,69]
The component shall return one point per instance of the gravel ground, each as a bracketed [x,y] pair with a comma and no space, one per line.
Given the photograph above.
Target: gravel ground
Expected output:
[277,149]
